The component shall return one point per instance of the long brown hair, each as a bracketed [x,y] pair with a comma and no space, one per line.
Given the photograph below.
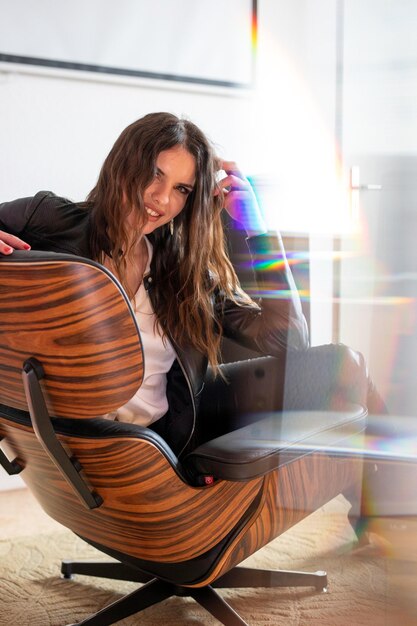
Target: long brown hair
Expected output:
[191,264]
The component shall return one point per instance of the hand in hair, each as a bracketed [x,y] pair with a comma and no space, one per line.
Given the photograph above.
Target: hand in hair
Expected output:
[240,200]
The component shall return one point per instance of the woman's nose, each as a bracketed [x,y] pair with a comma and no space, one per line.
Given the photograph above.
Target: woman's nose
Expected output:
[160,195]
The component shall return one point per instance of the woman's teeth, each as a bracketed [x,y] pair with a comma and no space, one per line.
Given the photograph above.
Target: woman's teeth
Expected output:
[152,213]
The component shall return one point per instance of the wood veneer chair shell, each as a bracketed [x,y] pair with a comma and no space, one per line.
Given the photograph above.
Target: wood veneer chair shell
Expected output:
[44,315]
[69,318]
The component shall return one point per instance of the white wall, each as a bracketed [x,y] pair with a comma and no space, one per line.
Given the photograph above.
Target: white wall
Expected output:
[57,127]
[134,36]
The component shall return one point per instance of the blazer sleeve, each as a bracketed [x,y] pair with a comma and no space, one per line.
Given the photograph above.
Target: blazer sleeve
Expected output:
[276,322]
[48,222]
[15,215]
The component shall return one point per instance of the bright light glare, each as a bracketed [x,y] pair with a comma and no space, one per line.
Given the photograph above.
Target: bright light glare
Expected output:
[298,177]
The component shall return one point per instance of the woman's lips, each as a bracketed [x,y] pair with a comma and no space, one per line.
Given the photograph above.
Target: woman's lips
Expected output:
[152,214]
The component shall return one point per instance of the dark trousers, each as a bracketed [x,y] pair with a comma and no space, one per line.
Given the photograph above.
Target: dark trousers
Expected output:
[322,377]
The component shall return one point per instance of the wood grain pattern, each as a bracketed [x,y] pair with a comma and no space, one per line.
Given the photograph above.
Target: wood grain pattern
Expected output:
[77,323]
[148,511]
[290,494]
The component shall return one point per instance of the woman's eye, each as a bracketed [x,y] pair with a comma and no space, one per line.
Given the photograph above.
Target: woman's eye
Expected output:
[184,190]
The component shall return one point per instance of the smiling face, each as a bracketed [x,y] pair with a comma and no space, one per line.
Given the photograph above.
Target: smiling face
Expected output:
[173,182]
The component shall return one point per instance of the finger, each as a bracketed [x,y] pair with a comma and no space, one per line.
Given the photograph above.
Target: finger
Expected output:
[225,182]
[230,167]
[235,199]
[5,248]
[232,183]
[14,242]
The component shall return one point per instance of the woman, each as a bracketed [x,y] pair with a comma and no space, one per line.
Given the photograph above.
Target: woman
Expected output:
[154,219]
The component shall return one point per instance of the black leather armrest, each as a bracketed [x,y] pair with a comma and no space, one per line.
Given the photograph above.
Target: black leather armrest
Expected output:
[277,439]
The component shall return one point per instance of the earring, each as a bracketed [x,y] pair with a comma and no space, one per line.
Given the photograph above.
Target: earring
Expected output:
[171,227]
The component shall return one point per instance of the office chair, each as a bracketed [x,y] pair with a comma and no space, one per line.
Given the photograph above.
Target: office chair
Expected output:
[71,353]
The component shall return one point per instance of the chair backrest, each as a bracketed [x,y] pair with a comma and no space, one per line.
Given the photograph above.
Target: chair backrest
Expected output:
[73,316]
[115,484]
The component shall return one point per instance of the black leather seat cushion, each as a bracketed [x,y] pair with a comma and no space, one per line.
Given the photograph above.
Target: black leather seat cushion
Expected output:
[272,441]
[277,439]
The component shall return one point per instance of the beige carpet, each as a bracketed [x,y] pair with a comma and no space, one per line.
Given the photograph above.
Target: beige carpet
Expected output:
[372,586]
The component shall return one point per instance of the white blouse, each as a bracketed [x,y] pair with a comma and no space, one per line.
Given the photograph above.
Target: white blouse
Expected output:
[149,402]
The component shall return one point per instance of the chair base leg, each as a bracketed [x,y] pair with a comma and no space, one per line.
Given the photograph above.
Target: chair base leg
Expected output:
[112,569]
[245,577]
[209,599]
[151,593]
[155,590]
